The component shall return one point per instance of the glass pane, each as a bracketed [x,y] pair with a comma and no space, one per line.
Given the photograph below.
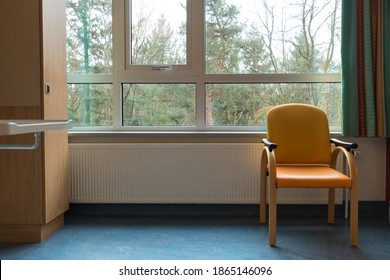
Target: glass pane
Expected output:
[158,32]
[268,36]
[89,36]
[90,104]
[247,104]
[158,104]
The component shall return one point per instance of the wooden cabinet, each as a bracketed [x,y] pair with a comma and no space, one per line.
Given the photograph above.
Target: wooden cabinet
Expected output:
[34,183]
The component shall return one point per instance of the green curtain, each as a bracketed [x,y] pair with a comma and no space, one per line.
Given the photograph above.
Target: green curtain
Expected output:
[365,68]
[386,51]
[350,125]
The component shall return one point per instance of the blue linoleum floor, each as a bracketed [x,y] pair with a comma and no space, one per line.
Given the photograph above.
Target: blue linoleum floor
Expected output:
[185,232]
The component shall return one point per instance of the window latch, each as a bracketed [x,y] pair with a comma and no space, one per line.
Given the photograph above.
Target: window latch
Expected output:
[161,67]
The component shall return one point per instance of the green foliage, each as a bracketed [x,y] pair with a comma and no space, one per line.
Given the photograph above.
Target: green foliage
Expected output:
[159,104]
[89,36]
[232,46]
[90,104]
[89,51]
[153,40]
[223,31]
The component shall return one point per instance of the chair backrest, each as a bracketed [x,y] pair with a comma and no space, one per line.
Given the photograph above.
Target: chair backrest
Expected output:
[301,132]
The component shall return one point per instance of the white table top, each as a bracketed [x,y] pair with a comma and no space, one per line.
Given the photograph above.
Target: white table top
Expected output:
[12,127]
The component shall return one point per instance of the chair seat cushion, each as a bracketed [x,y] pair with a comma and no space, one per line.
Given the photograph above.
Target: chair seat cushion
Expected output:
[301,176]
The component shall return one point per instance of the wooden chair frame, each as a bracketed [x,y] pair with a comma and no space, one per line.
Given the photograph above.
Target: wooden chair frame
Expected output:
[269,171]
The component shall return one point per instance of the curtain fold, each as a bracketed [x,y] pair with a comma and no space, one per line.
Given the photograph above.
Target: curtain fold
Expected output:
[365,68]
[349,68]
[386,60]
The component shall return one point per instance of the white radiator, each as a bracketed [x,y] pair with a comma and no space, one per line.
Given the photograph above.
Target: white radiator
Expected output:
[173,173]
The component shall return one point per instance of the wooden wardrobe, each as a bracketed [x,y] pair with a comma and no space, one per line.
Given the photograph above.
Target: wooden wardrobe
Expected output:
[34,192]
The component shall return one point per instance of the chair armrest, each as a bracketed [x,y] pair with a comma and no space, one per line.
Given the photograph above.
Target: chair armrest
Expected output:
[271,146]
[351,162]
[347,145]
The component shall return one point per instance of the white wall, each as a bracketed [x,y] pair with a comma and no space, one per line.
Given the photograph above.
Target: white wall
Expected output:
[371,163]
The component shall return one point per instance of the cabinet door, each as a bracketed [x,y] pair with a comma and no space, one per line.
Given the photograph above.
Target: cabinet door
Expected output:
[20,54]
[54,60]
[54,107]
[21,194]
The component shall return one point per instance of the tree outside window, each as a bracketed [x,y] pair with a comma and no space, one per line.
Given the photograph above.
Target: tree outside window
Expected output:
[257,54]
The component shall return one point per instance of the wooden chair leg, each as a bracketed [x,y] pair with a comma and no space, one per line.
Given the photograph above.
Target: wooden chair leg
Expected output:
[353,240]
[263,197]
[272,215]
[331,205]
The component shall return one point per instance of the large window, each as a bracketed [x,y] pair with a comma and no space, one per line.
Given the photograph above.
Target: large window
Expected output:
[200,65]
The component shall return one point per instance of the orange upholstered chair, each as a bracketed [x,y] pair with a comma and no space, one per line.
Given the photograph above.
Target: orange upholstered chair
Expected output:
[299,153]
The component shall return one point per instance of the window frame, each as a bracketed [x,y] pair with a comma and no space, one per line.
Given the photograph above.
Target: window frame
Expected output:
[193,72]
